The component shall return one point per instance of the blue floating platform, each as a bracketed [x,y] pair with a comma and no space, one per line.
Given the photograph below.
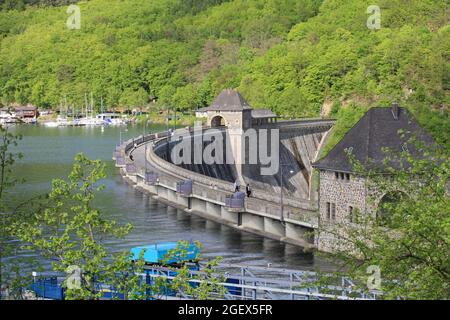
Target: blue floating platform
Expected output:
[158,253]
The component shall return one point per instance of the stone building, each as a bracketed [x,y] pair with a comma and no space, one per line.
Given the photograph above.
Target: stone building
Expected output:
[230,110]
[341,191]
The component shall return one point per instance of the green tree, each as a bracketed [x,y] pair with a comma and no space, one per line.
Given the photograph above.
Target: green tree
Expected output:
[126,276]
[69,231]
[204,285]
[7,159]
[7,181]
[186,98]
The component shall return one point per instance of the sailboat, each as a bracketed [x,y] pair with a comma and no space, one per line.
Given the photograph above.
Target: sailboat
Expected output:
[109,118]
[89,120]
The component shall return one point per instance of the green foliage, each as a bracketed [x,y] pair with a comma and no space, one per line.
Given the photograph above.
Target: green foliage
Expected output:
[292,56]
[20,4]
[272,50]
[126,277]
[130,56]
[69,231]
[7,159]
[205,285]
[333,58]
[346,118]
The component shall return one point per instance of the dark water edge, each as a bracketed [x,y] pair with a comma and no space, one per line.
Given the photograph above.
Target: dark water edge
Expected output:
[49,153]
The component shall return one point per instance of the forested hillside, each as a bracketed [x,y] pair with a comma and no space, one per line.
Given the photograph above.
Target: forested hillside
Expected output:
[297,57]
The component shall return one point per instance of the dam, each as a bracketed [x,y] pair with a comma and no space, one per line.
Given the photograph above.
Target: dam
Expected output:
[197,169]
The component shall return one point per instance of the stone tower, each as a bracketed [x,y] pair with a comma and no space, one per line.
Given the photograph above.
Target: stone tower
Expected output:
[230,110]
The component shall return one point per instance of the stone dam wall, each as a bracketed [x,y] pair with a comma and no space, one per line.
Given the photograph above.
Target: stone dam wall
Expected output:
[299,145]
[212,184]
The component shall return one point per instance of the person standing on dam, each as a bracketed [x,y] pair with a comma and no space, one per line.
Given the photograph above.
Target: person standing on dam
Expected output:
[237,185]
[248,189]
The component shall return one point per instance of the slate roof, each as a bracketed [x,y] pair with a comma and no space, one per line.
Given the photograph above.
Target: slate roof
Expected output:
[376,130]
[263,113]
[229,100]
[21,108]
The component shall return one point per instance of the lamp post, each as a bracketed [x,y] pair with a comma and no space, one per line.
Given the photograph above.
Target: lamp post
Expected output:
[168,134]
[121,134]
[281,192]
[174,119]
[168,120]
[145,144]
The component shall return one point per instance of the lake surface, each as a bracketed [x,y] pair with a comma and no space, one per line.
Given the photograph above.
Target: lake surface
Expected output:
[49,153]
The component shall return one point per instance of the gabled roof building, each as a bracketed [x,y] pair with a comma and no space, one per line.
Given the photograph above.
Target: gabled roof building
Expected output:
[342,190]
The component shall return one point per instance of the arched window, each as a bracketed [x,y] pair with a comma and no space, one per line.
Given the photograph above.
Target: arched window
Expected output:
[217,121]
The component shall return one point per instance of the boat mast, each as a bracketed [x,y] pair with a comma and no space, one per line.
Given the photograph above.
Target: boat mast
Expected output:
[66,106]
[92,105]
[86,103]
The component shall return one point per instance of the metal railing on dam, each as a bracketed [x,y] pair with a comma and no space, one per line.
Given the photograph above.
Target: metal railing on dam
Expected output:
[260,214]
[239,282]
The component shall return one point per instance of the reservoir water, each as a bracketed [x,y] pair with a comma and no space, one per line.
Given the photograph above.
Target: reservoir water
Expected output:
[48,154]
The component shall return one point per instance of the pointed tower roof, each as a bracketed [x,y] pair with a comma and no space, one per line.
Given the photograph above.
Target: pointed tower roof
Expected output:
[229,100]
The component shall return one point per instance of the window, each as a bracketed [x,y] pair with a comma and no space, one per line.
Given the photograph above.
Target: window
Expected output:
[351,217]
[328,211]
[333,211]
[342,176]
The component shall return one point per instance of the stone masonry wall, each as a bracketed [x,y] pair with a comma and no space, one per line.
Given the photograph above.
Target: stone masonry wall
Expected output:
[342,193]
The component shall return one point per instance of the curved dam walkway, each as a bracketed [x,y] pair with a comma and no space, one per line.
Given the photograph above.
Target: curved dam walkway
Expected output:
[151,170]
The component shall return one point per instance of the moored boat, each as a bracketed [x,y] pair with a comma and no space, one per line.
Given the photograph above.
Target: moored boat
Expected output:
[111,119]
[61,121]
